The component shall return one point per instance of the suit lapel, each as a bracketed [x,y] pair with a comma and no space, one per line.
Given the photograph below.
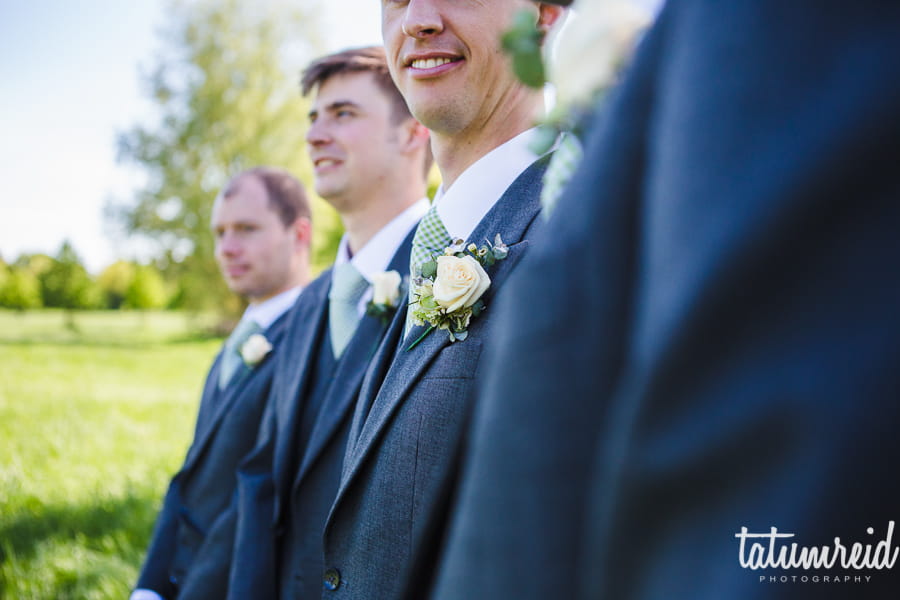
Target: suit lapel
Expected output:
[511,217]
[340,397]
[375,375]
[351,369]
[232,391]
[211,394]
[305,330]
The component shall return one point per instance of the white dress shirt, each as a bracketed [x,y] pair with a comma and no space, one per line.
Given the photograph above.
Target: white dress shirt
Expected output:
[267,312]
[477,189]
[376,255]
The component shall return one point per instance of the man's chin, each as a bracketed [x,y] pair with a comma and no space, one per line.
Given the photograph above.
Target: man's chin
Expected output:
[239,287]
[335,197]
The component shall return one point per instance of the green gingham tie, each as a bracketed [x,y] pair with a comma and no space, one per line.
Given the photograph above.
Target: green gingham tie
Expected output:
[347,287]
[562,166]
[231,356]
[430,240]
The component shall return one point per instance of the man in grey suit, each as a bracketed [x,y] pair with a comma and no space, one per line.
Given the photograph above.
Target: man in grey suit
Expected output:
[261,223]
[400,468]
[730,245]
[371,161]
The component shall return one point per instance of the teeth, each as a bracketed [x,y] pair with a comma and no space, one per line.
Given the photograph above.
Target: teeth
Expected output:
[429,63]
[325,162]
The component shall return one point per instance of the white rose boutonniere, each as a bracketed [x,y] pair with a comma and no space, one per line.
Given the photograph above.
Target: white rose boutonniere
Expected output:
[386,288]
[447,293]
[459,282]
[605,30]
[385,295]
[255,349]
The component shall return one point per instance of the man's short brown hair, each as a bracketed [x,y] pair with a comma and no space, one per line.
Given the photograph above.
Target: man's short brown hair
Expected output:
[285,192]
[370,59]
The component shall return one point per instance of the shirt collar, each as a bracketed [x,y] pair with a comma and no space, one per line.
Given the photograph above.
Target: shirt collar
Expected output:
[479,187]
[267,312]
[376,255]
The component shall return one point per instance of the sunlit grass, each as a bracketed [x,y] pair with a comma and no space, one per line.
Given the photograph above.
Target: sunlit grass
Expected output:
[93,421]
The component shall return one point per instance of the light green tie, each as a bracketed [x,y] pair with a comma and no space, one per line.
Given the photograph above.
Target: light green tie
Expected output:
[347,287]
[231,355]
[429,242]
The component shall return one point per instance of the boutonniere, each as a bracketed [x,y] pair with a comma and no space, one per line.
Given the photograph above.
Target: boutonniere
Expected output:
[385,295]
[255,349]
[447,291]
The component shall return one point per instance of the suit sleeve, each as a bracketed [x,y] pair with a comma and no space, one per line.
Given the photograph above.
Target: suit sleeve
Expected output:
[155,572]
[236,559]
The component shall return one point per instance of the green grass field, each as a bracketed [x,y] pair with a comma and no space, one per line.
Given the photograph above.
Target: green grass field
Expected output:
[96,413]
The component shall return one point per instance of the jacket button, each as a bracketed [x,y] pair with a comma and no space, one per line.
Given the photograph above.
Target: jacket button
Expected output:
[332,579]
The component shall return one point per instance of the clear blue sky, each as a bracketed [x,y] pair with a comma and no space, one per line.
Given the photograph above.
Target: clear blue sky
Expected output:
[69,81]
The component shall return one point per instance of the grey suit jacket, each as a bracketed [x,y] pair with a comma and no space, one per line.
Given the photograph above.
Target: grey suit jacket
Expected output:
[401,461]
[227,426]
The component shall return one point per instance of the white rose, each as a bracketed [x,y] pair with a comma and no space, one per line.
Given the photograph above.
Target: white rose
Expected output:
[386,288]
[255,349]
[605,31]
[459,282]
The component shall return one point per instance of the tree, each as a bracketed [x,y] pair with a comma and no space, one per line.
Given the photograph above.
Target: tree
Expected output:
[146,289]
[36,264]
[228,98]
[20,289]
[114,281]
[66,283]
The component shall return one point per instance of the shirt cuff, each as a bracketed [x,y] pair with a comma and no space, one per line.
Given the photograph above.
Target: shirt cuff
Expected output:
[142,594]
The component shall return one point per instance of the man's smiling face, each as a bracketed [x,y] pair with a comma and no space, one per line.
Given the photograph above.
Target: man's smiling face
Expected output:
[446,59]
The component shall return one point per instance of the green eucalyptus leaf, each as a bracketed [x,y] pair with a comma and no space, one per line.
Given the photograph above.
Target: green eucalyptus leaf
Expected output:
[523,43]
[429,269]
[543,139]
[529,68]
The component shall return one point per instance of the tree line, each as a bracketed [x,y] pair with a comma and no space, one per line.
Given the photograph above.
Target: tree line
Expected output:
[41,281]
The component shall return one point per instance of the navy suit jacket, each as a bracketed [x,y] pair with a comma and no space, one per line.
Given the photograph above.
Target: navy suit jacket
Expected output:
[729,249]
[405,440]
[227,426]
[274,525]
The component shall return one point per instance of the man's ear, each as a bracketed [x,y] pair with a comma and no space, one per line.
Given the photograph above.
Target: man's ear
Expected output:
[302,232]
[548,16]
[415,134]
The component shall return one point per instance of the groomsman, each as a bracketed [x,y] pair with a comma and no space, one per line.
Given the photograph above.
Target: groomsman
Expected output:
[400,469]
[715,341]
[261,224]
[371,160]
